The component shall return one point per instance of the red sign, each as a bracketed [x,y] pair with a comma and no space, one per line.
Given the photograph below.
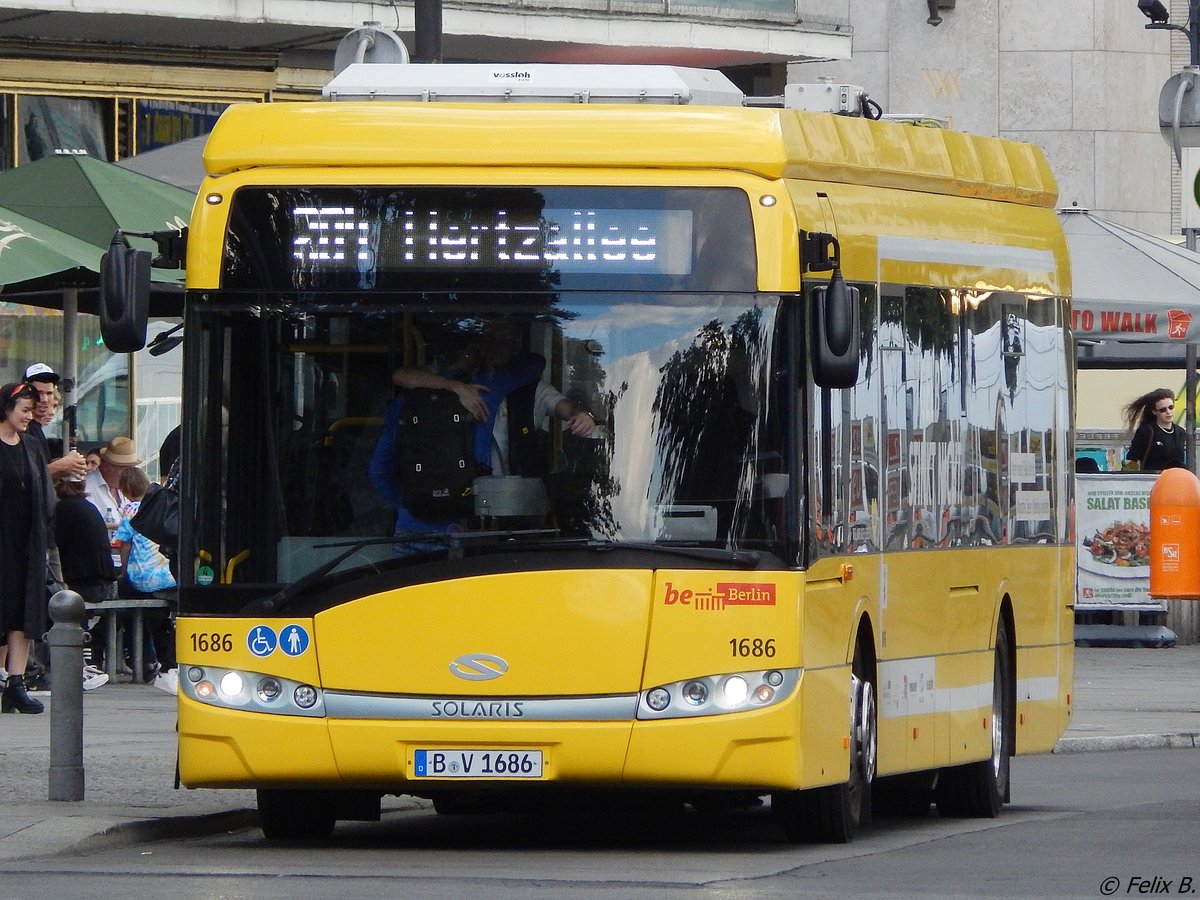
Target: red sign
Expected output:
[1128,324]
[724,595]
[1178,323]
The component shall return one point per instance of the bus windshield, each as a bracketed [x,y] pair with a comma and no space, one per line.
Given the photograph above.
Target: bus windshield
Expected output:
[682,445]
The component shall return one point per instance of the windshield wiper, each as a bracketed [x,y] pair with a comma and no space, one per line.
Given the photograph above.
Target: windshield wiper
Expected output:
[452,540]
[746,559]
[743,558]
[285,596]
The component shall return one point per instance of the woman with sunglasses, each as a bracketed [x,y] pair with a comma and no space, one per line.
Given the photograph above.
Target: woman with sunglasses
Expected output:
[1157,444]
[26,531]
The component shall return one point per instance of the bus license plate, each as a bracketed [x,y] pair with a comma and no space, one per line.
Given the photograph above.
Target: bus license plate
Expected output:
[477,764]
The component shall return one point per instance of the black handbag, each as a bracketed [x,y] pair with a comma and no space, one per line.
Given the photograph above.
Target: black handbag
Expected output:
[158,515]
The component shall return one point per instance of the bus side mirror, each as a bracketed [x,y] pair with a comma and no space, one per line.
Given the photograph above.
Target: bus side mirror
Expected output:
[835,333]
[124,296]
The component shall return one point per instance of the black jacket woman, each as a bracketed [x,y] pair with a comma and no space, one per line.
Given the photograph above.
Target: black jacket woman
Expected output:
[1157,444]
[26,534]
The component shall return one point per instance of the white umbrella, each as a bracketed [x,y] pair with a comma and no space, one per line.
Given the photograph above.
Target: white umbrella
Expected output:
[1128,285]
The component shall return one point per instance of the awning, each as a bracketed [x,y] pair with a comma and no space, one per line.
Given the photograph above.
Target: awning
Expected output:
[57,217]
[180,164]
[89,199]
[32,252]
[1128,285]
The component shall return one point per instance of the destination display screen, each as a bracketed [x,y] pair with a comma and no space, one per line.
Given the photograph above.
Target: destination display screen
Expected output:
[582,239]
[422,237]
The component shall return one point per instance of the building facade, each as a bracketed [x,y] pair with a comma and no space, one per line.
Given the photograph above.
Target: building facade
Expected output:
[117,78]
[1079,78]
[113,78]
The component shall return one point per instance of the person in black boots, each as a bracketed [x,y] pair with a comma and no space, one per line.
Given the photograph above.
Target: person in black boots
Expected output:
[26,533]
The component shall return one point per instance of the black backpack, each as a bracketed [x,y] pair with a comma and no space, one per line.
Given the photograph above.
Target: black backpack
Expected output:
[435,454]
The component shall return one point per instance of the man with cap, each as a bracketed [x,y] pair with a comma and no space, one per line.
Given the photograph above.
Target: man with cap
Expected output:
[101,485]
[45,380]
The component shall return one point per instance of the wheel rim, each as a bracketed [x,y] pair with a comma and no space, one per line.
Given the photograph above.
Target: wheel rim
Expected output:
[868,740]
[997,723]
[864,743]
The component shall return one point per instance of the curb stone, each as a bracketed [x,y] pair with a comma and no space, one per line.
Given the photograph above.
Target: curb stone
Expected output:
[139,831]
[1187,740]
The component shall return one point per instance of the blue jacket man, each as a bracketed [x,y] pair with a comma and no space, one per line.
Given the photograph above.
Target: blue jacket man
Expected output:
[481,393]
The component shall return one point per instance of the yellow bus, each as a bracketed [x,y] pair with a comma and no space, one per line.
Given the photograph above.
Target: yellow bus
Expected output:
[768,452]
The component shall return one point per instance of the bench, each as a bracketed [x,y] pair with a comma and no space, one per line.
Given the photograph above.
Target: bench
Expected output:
[110,609]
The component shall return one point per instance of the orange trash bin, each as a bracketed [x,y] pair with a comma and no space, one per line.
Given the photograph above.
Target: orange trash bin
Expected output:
[1175,536]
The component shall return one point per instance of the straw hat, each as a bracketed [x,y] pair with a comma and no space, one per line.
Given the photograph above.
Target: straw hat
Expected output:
[120,452]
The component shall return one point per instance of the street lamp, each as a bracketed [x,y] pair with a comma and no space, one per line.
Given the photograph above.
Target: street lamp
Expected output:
[1160,21]
[1180,85]
[1154,10]
[935,11]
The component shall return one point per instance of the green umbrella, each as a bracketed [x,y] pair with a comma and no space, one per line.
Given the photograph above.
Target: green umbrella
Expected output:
[90,199]
[33,253]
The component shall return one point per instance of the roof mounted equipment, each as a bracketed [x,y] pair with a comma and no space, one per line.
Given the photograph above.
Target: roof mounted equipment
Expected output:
[538,83]
[827,97]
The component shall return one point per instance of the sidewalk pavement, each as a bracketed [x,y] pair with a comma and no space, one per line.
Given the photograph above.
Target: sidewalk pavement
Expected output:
[1124,699]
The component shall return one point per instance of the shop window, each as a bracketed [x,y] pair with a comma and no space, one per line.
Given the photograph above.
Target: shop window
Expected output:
[50,126]
[164,122]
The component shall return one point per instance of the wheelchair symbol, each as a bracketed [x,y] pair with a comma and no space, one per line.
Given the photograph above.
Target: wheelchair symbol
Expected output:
[262,640]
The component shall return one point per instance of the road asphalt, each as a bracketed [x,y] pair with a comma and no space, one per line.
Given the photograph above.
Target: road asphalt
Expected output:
[1125,699]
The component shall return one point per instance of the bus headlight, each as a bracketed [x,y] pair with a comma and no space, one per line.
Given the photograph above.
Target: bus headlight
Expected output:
[269,690]
[715,695]
[695,692]
[658,699]
[735,690]
[252,692]
[232,685]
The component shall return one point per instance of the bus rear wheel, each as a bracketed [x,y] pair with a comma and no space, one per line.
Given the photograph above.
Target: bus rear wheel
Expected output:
[835,813]
[295,815]
[980,789]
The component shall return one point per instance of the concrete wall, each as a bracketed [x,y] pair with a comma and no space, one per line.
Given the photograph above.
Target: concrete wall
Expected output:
[1080,78]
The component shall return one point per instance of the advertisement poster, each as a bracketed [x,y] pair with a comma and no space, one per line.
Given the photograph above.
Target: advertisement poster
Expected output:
[1113,524]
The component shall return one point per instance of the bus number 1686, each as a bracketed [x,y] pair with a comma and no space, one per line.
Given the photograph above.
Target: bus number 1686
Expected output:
[758,647]
[212,643]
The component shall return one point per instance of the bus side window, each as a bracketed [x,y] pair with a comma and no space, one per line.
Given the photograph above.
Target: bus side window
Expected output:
[844,448]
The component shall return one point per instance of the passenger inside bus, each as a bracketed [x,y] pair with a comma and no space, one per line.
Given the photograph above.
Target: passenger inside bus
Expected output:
[466,421]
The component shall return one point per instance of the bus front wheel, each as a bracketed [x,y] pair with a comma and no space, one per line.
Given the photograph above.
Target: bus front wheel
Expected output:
[980,789]
[834,814]
[286,815]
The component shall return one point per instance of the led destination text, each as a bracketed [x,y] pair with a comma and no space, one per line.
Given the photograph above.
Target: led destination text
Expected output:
[627,241]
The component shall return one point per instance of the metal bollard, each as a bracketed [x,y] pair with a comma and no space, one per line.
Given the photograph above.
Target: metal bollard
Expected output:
[66,696]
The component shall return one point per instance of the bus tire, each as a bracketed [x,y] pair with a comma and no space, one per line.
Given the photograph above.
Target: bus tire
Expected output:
[903,796]
[834,814]
[459,804]
[980,789]
[286,815]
